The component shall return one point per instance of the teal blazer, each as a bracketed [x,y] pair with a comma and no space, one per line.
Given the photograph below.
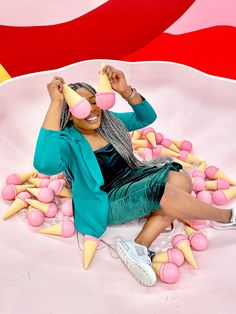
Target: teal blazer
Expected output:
[68,151]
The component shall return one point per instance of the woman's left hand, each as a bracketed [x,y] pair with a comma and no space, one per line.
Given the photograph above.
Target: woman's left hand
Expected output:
[117,80]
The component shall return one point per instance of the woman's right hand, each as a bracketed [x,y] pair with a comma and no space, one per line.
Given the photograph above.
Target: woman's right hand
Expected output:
[55,88]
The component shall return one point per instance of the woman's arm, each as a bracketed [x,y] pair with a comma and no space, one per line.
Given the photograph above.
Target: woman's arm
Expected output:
[51,154]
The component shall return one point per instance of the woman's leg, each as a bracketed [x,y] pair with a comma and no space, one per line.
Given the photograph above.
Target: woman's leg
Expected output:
[159,220]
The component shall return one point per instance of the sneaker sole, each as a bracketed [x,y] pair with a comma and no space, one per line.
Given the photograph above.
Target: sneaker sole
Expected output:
[141,274]
[222,226]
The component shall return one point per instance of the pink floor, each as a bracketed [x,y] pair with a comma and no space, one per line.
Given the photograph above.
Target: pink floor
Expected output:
[44,274]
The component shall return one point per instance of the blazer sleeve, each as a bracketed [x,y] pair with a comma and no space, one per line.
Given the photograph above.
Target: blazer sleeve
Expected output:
[51,153]
[143,115]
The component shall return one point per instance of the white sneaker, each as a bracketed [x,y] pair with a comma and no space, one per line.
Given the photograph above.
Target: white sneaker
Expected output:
[230,225]
[136,259]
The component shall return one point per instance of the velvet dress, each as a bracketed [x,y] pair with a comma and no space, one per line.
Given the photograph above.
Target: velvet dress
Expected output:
[132,192]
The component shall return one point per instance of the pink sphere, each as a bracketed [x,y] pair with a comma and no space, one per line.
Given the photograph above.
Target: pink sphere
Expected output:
[210,171]
[105,101]
[198,184]
[43,176]
[198,241]
[198,224]
[81,110]
[44,183]
[51,211]
[13,179]
[56,186]
[35,217]
[175,256]
[198,173]
[178,238]
[219,198]
[45,195]
[24,195]
[67,208]
[9,192]
[159,137]
[205,196]
[169,273]
[186,145]
[68,228]
[222,184]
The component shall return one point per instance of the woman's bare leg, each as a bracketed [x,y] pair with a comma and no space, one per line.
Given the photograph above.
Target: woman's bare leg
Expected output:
[158,220]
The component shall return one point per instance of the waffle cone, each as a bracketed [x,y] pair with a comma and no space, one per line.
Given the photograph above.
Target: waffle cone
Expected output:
[202,166]
[168,152]
[160,258]
[23,187]
[230,193]
[220,175]
[136,135]
[104,84]
[35,181]
[25,176]
[3,74]
[189,231]
[151,137]
[16,206]
[174,148]
[89,251]
[177,143]
[157,268]
[34,191]
[37,204]
[65,192]
[211,185]
[140,143]
[71,97]
[184,247]
[192,159]
[54,229]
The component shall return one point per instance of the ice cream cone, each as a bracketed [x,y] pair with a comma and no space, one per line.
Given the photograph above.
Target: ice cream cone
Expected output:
[184,145]
[65,192]
[104,84]
[213,172]
[49,209]
[182,243]
[140,143]
[221,197]
[145,153]
[43,194]
[167,143]
[160,151]
[90,245]
[199,172]
[218,184]
[39,183]
[198,240]
[136,135]
[19,178]
[65,229]
[167,272]
[150,135]
[186,156]
[16,206]
[79,106]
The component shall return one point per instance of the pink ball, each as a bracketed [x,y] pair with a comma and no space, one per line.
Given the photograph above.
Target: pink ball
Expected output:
[198,224]
[222,184]
[13,179]
[159,137]
[175,256]
[24,195]
[81,110]
[198,173]
[169,273]
[35,217]
[183,155]
[198,184]
[198,241]
[186,145]
[205,196]
[44,183]
[105,101]
[210,171]
[46,195]
[67,208]
[52,210]
[219,198]
[56,186]
[43,176]
[178,238]
[9,192]
[68,228]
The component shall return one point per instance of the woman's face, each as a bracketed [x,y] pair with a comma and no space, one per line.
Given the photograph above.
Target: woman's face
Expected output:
[87,125]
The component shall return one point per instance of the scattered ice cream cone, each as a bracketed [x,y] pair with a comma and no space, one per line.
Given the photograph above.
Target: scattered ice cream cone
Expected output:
[49,209]
[17,205]
[167,143]
[182,243]
[65,229]
[213,172]
[45,195]
[150,135]
[10,191]
[19,178]
[221,197]
[90,245]
[105,97]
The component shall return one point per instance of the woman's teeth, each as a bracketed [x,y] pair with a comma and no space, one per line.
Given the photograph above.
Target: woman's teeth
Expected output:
[92,119]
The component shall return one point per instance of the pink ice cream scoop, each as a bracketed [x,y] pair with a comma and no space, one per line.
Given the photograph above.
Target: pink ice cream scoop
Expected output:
[205,196]
[13,179]
[35,217]
[24,195]
[198,184]
[45,195]
[56,186]
[105,100]
[159,137]
[198,241]
[67,208]
[186,145]
[43,176]
[167,272]
[175,256]
[198,173]
[68,228]
[10,191]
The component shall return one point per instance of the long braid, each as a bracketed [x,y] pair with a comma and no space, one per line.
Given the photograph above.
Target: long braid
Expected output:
[115,132]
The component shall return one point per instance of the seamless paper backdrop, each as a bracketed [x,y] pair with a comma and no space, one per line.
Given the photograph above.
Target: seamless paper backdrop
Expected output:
[44,274]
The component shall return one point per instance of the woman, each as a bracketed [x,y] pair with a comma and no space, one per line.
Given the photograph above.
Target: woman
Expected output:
[109,185]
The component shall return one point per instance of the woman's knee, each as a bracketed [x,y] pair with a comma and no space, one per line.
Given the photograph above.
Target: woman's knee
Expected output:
[180,179]
[169,198]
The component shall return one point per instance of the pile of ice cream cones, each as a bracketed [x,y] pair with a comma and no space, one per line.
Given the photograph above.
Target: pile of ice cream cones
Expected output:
[210,184]
[46,201]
